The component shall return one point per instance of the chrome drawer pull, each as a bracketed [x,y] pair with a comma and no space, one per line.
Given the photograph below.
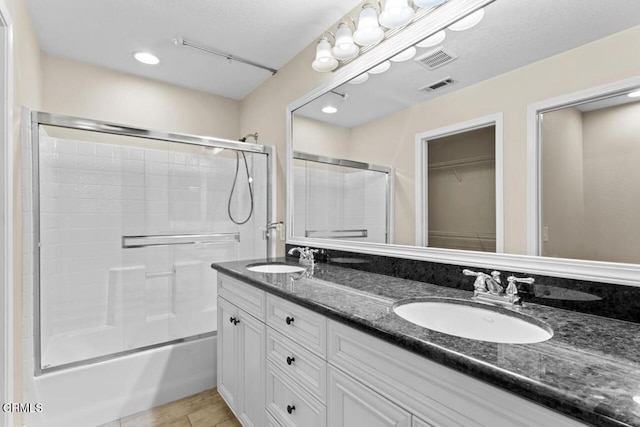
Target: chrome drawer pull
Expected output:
[291,408]
[289,320]
[290,360]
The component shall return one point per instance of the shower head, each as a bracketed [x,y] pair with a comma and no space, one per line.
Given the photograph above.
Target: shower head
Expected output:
[251,135]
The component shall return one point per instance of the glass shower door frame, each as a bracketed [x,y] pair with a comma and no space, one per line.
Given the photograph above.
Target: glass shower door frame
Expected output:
[39,118]
[389,192]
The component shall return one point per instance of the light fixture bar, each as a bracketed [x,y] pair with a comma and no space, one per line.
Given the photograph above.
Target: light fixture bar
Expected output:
[183,42]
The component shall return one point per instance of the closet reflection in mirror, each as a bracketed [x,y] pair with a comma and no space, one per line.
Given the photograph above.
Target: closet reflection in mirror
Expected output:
[461,191]
[591,180]
[518,55]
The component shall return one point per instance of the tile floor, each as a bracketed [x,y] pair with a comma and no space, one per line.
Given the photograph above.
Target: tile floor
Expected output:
[206,409]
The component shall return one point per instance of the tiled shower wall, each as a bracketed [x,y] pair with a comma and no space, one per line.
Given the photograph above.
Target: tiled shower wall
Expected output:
[98,298]
[336,200]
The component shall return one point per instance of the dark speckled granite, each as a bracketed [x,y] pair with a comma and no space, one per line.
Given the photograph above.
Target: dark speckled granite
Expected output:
[602,299]
[589,369]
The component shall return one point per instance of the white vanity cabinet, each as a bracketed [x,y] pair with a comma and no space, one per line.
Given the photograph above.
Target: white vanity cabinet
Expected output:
[282,365]
[241,361]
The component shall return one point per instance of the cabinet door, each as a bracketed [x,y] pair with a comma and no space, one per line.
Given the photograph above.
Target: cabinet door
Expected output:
[350,403]
[227,364]
[251,370]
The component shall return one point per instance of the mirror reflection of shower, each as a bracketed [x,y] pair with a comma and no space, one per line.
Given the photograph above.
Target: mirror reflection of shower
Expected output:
[249,181]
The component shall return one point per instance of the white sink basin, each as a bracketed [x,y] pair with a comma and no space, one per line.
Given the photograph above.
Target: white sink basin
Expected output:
[472,320]
[275,268]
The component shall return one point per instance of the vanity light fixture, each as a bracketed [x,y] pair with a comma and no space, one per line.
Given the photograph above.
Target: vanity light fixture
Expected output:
[635,94]
[373,20]
[146,58]
[396,14]
[368,31]
[344,47]
[324,59]
[380,68]
[433,40]
[468,21]
[405,55]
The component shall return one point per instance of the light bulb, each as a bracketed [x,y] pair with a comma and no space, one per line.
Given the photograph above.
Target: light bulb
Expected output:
[344,47]
[324,61]
[368,31]
[323,51]
[468,21]
[396,13]
[359,79]
[433,40]
[405,55]
[380,68]
[428,3]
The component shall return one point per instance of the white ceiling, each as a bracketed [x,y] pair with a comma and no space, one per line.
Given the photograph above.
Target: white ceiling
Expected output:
[107,32]
[512,34]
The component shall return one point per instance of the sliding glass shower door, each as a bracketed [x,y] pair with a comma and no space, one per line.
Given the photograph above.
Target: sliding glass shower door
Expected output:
[126,231]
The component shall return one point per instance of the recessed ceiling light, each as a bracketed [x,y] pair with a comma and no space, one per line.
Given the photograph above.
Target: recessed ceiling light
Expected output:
[146,58]
[329,109]
[468,21]
[635,94]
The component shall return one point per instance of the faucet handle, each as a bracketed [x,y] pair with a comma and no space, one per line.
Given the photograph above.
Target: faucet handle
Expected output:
[467,272]
[514,279]
[512,288]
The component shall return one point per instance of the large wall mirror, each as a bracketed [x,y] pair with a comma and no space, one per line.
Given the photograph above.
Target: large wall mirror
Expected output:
[448,115]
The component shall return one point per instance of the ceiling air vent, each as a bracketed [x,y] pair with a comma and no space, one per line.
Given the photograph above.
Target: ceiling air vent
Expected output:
[437,85]
[436,58]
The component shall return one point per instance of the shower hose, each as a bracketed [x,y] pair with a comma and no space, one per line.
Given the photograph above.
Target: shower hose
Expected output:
[233,188]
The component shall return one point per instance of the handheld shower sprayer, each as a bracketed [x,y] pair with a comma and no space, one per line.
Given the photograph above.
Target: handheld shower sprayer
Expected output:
[249,181]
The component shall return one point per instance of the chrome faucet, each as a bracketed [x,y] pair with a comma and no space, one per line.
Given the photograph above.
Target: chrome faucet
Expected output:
[489,288]
[306,255]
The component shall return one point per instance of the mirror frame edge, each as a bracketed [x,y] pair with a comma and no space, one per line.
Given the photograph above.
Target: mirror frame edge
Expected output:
[598,271]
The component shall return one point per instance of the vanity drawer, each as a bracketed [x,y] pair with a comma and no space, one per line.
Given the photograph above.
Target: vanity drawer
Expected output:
[290,404]
[248,298]
[299,324]
[307,369]
[434,394]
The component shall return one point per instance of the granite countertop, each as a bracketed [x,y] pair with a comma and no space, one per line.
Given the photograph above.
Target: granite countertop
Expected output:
[589,369]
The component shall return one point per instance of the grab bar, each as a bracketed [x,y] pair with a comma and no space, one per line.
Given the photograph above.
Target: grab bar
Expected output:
[129,242]
[336,234]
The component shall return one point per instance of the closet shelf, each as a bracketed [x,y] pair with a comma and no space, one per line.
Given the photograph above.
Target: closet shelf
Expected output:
[461,162]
